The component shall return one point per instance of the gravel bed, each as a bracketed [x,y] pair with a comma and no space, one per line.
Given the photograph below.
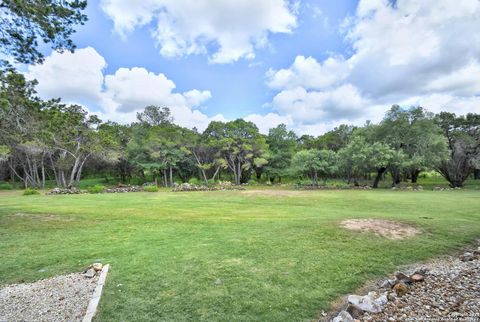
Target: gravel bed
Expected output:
[450,292]
[62,298]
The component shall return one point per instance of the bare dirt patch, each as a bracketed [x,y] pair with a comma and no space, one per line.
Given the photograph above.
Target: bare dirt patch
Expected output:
[272,193]
[62,298]
[385,228]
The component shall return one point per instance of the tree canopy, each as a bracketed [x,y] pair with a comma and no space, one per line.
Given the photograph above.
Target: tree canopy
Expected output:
[49,140]
[25,25]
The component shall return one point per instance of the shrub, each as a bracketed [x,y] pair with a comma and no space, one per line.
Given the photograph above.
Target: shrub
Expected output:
[194,181]
[5,186]
[150,188]
[30,191]
[96,189]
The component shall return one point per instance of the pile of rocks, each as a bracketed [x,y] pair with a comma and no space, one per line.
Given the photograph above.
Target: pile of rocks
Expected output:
[222,185]
[66,191]
[93,270]
[438,188]
[123,188]
[447,289]
[190,187]
[408,188]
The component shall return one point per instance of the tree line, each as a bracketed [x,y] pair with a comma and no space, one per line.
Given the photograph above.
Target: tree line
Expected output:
[45,141]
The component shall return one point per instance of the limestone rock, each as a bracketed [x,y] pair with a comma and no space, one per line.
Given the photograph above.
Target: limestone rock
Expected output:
[417,277]
[89,273]
[97,266]
[370,303]
[343,316]
[387,283]
[354,311]
[466,257]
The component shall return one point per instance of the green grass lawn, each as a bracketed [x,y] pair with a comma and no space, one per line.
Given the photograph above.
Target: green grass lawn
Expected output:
[225,255]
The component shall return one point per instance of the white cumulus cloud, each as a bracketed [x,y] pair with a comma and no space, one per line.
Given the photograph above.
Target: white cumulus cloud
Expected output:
[404,52]
[79,78]
[183,27]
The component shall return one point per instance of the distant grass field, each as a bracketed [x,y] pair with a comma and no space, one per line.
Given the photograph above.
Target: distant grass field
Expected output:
[225,255]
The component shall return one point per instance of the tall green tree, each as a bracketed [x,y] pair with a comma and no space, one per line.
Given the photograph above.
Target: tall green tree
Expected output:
[463,137]
[316,164]
[414,132]
[282,145]
[239,145]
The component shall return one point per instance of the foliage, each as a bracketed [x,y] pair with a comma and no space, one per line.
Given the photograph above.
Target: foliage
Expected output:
[463,136]
[150,188]
[96,189]
[49,139]
[23,24]
[30,191]
[315,163]
[282,144]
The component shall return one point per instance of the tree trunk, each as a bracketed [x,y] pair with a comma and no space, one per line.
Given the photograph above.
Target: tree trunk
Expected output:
[215,174]
[476,174]
[171,177]
[43,175]
[239,173]
[395,176]
[415,174]
[380,173]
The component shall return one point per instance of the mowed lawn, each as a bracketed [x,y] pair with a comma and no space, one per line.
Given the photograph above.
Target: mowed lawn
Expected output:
[226,255]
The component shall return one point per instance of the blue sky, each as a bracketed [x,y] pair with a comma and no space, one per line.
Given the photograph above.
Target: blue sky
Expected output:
[309,64]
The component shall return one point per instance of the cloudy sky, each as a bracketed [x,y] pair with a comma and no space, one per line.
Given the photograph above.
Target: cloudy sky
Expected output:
[311,64]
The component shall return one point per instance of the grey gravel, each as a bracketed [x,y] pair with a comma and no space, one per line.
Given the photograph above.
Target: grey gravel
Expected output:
[450,292]
[62,298]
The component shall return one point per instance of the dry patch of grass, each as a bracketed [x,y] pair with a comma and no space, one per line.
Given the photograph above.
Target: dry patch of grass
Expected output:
[384,228]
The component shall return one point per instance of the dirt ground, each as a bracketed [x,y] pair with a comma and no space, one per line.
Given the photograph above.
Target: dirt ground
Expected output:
[385,228]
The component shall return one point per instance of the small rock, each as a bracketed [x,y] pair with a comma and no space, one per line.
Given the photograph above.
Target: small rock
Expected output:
[467,256]
[97,266]
[343,316]
[354,311]
[400,289]
[387,283]
[89,273]
[417,277]
[218,282]
[392,296]
[401,277]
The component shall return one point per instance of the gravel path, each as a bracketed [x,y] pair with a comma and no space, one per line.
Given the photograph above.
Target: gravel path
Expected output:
[443,289]
[62,298]
[450,292]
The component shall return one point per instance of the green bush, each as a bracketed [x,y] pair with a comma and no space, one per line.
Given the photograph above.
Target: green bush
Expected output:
[194,181]
[150,188]
[5,186]
[30,191]
[96,189]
